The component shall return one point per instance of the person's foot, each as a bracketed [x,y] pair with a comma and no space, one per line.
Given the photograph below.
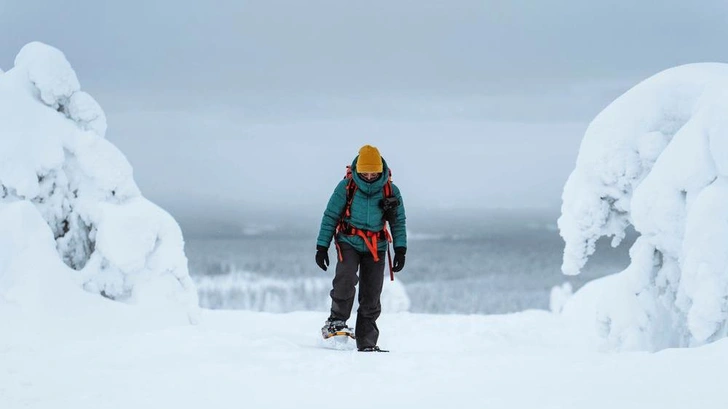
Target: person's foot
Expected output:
[336,327]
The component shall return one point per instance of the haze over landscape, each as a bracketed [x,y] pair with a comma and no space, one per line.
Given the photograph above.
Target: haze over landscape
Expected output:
[226,112]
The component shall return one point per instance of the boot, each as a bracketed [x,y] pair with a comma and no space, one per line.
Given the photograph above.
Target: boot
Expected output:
[336,327]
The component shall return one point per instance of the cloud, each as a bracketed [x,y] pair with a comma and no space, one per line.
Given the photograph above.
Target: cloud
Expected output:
[466,46]
[500,91]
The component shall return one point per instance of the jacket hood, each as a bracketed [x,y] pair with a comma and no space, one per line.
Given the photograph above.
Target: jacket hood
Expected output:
[370,187]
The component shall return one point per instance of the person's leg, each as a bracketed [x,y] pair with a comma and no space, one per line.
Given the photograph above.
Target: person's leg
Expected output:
[370,306]
[344,284]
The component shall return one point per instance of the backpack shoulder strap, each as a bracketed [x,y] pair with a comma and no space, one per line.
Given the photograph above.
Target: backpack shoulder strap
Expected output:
[388,192]
[350,190]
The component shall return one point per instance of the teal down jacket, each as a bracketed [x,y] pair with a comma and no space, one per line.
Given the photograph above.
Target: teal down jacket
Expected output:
[366,213]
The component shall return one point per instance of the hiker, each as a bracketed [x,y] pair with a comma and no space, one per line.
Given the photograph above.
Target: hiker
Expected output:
[355,217]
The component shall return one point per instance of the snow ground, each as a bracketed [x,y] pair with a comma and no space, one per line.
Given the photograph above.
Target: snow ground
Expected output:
[61,347]
[533,359]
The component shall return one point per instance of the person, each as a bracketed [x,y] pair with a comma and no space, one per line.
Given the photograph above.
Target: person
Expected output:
[355,218]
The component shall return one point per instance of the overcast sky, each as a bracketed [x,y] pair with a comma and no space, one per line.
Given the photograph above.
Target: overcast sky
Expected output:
[221,105]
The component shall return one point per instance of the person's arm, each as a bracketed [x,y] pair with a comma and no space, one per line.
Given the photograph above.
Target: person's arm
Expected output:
[332,214]
[399,233]
[399,227]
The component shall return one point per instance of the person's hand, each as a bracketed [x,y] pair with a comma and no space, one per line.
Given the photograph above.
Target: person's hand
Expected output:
[399,258]
[322,257]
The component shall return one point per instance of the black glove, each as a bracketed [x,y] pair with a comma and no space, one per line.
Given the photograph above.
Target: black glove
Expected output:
[322,257]
[399,258]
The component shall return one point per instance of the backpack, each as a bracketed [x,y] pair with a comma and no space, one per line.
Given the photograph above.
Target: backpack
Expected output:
[369,237]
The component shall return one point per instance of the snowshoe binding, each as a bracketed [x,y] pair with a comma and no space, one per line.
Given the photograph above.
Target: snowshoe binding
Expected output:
[336,335]
[335,328]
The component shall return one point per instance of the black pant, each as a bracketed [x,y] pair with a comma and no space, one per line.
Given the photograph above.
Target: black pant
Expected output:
[371,274]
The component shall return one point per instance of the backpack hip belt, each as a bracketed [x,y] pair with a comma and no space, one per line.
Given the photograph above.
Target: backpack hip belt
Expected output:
[370,238]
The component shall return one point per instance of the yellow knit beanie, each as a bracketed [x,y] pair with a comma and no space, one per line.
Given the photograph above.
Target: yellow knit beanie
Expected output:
[370,161]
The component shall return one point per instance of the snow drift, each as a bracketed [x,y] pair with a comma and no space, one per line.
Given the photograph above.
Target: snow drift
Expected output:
[656,159]
[56,166]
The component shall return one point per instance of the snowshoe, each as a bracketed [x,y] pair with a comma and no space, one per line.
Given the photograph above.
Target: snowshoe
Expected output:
[372,349]
[337,335]
[336,328]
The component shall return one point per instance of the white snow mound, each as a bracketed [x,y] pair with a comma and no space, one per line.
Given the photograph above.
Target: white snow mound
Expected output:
[54,160]
[657,159]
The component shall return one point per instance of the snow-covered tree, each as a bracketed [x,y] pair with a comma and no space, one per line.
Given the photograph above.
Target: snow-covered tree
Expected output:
[656,159]
[54,157]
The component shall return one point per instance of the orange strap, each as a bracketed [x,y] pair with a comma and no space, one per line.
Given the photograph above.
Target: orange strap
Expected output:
[338,250]
[370,239]
[371,245]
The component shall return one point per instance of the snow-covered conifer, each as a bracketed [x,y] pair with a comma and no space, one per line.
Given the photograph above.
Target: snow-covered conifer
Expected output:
[657,159]
[53,155]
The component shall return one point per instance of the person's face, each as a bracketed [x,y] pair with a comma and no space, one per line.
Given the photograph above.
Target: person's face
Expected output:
[369,176]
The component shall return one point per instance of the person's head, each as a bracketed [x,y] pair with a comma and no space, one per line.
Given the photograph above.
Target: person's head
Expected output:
[369,166]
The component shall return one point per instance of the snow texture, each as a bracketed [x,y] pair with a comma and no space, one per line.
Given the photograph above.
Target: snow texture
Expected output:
[247,359]
[560,295]
[657,159]
[55,161]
